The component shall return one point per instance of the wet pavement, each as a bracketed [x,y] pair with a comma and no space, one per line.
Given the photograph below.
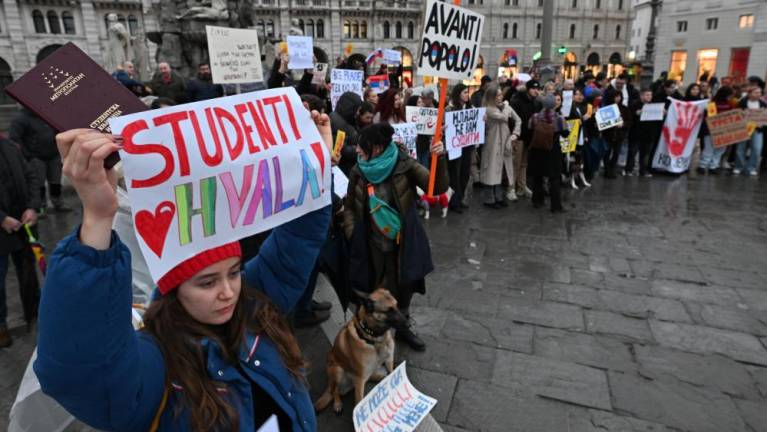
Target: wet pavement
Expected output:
[644,308]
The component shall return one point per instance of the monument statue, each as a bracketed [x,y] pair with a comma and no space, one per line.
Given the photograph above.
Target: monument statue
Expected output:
[119,47]
[212,10]
[295,30]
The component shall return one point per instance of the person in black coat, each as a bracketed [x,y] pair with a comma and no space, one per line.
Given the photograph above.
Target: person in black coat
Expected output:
[525,104]
[344,118]
[202,87]
[547,162]
[641,135]
[18,201]
[615,137]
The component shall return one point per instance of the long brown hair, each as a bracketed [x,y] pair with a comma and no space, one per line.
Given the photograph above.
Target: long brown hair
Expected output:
[178,335]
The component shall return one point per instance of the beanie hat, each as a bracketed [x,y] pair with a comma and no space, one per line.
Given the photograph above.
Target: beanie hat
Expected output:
[184,271]
[549,102]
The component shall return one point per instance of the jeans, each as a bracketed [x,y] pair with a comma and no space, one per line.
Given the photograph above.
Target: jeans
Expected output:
[711,157]
[594,153]
[752,163]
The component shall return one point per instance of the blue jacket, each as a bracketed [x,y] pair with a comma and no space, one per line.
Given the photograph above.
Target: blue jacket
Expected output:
[95,365]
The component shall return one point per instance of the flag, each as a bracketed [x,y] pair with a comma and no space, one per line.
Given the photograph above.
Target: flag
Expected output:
[371,58]
[37,249]
[378,83]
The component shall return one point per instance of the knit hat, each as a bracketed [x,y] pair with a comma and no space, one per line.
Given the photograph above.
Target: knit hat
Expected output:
[549,102]
[184,271]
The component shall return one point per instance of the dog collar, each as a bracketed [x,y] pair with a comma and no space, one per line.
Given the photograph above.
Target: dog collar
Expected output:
[365,332]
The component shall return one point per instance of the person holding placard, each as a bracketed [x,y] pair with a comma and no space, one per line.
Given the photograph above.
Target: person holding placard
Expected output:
[711,157]
[497,151]
[640,136]
[214,353]
[388,247]
[344,118]
[459,168]
[615,137]
[581,111]
[754,144]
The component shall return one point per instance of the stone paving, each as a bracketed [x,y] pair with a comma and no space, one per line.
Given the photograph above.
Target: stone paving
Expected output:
[644,308]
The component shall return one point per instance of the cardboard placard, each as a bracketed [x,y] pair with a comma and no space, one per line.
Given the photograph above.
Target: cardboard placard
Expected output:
[728,128]
[320,73]
[756,116]
[345,80]
[406,134]
[204,174]
[425,118]
[300,52]
[571,142]
[678,136]
[652,112]
[391,57]
[235,57]
[392,405]
[450,42]
[340,182]
[608,117]
[464,128]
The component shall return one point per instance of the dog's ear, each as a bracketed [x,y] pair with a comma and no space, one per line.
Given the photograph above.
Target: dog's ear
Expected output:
[365,300]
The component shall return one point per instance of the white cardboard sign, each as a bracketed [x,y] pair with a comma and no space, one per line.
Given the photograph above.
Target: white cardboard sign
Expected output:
[652,112]
[464,128]
[235,57]
[450,42]
[345,80]
[300,52]
[424,118]
[391,57]
[204,174]
[567,102]
[608,117]
[406,134]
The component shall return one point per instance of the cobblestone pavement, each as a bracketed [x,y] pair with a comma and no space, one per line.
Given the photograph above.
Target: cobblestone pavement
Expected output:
[644,308]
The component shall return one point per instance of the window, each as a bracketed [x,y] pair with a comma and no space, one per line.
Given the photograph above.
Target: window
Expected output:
[538,31]
[595,35]
[598,4]
[347,29]
[132,24]
[386,29]
[270,28]
[262,27]
[707,61]
[678,65]
[39,21]
[309,28]
[364,30]
[681,26]
[618,31]
[53,22]
[321,29]
[575,4]
[505,30]
[620,4]
[514,31]
[69,22]
[355,30]
[746,21]
[572,31]
[712,23]
[410,30]
[398,30]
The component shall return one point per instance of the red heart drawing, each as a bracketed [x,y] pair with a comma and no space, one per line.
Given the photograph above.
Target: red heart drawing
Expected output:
[153,228]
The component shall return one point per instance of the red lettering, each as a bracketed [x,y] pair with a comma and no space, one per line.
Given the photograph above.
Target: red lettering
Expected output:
[212,127]
[178,137]
[273,101]
[291,117]
[241,109]
[221,115]
[218,154]
[264,133]
[129,146]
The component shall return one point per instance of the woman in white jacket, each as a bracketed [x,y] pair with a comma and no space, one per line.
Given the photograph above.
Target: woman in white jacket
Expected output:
[497,152]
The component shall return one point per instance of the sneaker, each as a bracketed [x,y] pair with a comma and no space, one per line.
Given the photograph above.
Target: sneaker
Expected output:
[321,306]
[511,195]
[311,319]
[411,339]
[736,172]
[559,210]
[528,193]
[5,337]
[753,173]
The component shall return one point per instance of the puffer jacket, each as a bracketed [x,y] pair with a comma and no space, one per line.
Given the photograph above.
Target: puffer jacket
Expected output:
[95,365]
[36,138]
[344,118]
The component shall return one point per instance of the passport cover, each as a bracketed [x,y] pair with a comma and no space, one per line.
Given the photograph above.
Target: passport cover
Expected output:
[68,90]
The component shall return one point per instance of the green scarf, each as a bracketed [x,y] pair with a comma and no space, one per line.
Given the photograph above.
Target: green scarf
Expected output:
[378,169]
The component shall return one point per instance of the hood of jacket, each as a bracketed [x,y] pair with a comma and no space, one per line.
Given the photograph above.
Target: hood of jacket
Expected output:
[347,106]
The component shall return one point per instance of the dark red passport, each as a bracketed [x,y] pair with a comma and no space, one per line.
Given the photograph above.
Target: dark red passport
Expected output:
[68,90]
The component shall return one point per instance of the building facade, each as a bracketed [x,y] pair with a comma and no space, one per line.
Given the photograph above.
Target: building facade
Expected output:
[641,21]
[715,37]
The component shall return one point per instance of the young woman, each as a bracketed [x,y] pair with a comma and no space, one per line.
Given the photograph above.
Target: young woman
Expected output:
[497,151]
[711,157]
[755,143]
[214,354]
[388,246]
[547,162]
[390,107]
[459,168]
[581,111]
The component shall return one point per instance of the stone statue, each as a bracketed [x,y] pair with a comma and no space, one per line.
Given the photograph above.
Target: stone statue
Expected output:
[295,30]
[212,10]
[119,47]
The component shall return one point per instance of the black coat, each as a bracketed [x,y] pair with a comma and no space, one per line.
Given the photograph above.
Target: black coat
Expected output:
[344,118]
[641,130]
[36,139]
[525,108]
[18,192]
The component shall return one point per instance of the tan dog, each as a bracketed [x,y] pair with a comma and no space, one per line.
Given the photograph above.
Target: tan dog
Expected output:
[362,346]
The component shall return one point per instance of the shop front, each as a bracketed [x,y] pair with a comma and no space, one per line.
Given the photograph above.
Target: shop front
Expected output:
[570,66]
[615,65]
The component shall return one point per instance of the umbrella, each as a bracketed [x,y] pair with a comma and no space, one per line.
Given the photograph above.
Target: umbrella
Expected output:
[37,248]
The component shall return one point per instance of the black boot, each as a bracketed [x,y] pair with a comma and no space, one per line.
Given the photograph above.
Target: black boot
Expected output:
[411,339]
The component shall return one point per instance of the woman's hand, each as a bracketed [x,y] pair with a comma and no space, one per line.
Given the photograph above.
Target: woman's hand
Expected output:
[437,148]
[323,126]
[83,152]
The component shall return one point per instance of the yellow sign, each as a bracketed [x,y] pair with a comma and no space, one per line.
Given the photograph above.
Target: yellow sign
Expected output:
[571,142]
[340,138]
[711,109]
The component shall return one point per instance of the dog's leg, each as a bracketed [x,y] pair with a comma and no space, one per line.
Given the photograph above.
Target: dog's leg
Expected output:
[335,376]
[330,391]
[359,388]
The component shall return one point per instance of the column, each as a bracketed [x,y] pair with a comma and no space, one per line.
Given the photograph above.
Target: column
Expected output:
[91,37]
[22,60]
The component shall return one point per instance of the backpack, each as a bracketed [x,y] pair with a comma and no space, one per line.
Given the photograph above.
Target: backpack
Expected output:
[543,135]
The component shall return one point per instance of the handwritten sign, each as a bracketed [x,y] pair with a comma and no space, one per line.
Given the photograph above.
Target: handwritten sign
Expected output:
[340,182]
[235,57]
[406,134]
[300,52]
[464,128]
[450,42]
[608,117]
[571,142]
[392,405]
[727,128]
[204,174]
[567,102]
[425,118]
[756,116]
[345,80]
[652,112]
[320,73]
[391,57]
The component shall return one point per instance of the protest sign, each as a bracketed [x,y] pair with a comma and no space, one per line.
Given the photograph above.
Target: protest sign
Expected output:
[204,174]
[271,425]
[425,118]
[450,42]
[608,117]
[727,128]
[300,52]
[379,83]
[406,134]
[571,142]
[756,116]
[567,102]
[391,57]
[345,80]
[392,405]
[464,128]
[320,73]
[235,57]
[678,136]
[340,182]
[652,112]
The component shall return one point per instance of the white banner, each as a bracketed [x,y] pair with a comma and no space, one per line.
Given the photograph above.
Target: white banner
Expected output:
[300,52]
[652,112]
[235,57]
[204,174]
[425,118]
[678,137]
[464,128]
[345,80]
[450,42]
[393,405]
[406,134]
[608,117]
